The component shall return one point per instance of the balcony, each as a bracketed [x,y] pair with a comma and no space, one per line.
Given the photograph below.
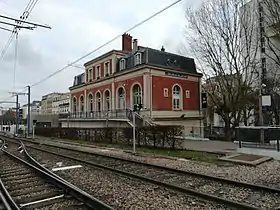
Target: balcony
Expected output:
[121,114]
[115,115]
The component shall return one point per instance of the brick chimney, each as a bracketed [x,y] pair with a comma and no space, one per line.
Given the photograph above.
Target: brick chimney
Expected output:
[127,42]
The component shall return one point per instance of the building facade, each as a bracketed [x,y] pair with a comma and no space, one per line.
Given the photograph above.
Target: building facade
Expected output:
[47,103]
[166,85]
[61,103]
[35,108]
[267,34]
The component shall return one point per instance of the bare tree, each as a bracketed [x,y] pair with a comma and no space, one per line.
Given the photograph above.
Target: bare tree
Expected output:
[222,37]
[269,11]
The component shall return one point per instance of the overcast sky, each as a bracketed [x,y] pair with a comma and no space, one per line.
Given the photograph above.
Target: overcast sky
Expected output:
[78,27]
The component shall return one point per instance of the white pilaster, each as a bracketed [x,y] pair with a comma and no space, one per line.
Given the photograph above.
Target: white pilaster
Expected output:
[114,64]
[85,100]
[113,97]
[146,90]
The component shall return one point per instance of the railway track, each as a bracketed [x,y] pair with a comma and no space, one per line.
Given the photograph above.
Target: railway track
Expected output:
[228,192]
[25,184]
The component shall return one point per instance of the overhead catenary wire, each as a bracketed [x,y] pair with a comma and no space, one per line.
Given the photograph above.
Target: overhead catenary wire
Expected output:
[105,44]
[28,9]
[15,60]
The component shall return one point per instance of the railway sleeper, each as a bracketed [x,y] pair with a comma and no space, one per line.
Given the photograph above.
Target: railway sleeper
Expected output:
[19,171]
[18,177]
[2,207]
[34,197]
[24,185]
[21,192]
[42,202]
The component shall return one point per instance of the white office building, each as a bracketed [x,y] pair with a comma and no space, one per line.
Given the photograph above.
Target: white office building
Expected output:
[35,108]
[61,103]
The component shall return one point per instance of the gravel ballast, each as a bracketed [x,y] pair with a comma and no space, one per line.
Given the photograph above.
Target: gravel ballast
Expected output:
[215,188]
[266,173]
[119,191]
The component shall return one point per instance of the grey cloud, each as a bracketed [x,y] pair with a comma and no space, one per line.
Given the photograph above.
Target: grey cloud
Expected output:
[77,28]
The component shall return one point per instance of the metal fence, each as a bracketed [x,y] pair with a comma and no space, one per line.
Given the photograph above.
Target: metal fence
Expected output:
[110,114]
[250,137]
[149,136]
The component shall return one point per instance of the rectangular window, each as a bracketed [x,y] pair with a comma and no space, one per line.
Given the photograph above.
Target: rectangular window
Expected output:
[107,68]
[137,59]
[97,72]
[188,94]
[165,92]
[263,50]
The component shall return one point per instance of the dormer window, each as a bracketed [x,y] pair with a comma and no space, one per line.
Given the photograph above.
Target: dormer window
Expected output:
[97,72]
[122,64]
[137,58]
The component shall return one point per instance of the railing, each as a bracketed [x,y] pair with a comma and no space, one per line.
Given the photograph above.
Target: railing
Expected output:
[250,137]
[110,114]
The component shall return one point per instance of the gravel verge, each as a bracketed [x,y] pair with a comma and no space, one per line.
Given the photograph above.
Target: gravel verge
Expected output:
[122,192]
[254,197]
[266,173]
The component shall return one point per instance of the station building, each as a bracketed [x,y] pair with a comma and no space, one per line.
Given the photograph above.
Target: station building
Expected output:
[165,84]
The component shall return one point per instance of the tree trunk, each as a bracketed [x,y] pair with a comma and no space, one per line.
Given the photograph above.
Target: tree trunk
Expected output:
[227,128]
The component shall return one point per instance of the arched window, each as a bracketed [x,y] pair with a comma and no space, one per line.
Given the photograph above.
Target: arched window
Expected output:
[82,104]
[90,102]
[98,101]
[107,100]
[121,98]
[74,105]
[136,94]
[176,97]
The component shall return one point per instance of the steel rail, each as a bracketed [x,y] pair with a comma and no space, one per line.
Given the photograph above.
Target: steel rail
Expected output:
[163,184]
[5,197]
[77,193]
[170,186]
[195,174]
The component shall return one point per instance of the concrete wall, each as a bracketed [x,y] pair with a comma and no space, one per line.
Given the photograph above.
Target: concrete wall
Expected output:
[53,119]
[93,124]
[189,125]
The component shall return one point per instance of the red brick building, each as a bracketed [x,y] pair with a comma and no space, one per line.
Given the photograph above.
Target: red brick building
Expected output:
[167,85]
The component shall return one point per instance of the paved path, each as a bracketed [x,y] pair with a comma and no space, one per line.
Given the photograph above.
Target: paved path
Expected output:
[211,146]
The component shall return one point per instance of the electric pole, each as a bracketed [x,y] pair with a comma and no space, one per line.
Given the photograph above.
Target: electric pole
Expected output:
[28,111]
[17,94]
[262,71]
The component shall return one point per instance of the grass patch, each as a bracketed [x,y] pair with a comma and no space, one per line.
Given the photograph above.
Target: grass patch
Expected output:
[181,153]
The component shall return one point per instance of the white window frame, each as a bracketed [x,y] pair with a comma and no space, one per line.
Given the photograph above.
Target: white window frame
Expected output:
[107,70]
[188,95]
[122,64]
[98,71]
[137,59]
[165,92]
[89,75]
[176,99]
